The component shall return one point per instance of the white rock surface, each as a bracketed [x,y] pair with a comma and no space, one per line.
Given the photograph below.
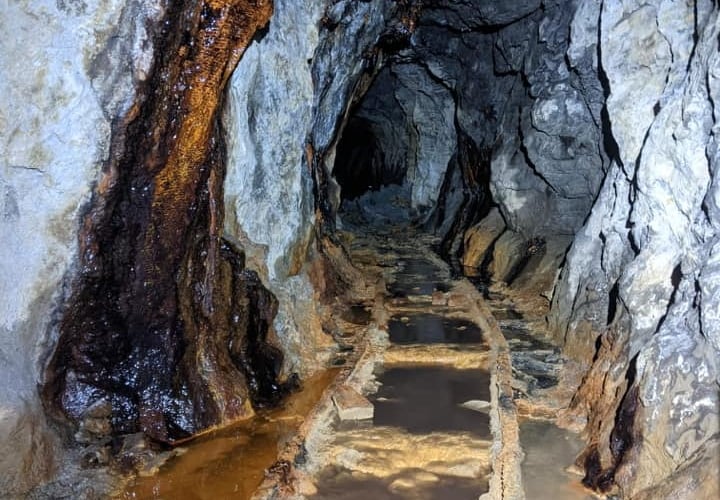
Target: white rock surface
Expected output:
[268,189]
[647,256]
[59,94]
[291,87]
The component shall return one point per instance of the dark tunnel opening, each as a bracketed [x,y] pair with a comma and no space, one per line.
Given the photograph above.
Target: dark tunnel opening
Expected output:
[360,163]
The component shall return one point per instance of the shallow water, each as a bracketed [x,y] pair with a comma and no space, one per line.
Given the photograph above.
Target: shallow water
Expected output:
[424,328]
[340,484]
[231,462]
[549,450]
[357,314]
[424,399]
[417,276]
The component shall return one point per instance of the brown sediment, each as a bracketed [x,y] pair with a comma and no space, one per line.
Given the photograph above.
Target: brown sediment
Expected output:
[231,462]
[165,323]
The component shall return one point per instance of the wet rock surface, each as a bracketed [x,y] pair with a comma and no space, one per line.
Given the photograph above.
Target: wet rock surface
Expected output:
[61,91]
[165,323]
[585,122]
[230,462]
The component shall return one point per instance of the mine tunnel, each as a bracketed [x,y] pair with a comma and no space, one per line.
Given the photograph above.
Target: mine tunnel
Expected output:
[408,249]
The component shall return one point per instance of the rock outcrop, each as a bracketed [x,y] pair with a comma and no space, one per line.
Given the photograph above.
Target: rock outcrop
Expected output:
[69,70]
[164,322]
[634,298]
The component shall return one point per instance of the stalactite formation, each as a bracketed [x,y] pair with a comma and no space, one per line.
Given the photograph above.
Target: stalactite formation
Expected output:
[166,325]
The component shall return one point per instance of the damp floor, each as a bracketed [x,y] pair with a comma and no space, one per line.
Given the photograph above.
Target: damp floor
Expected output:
[425,441]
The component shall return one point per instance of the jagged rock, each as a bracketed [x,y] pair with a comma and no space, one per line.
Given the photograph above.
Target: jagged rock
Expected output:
[592,121]
[481,13]
[508,252]
[411,116]
[480,237]
[291,87]
[637,265]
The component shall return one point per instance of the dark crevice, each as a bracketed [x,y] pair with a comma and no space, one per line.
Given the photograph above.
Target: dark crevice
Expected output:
[613,298]
[675,278]
[612,150]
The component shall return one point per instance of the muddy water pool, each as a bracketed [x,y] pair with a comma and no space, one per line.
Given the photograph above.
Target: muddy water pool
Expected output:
[231,462]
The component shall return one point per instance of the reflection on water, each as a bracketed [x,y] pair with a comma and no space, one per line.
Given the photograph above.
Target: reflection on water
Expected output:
[340,484]
[424,328]
[424,399]
[231,462]
[549,450]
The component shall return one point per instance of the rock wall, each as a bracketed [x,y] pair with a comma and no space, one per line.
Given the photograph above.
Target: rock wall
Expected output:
[594,121]
[412,117]
[525,98]
[291,89]
[69,70]
[636,301]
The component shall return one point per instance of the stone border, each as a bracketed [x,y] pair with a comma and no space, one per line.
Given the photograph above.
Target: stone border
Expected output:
[507,455]
[288,481]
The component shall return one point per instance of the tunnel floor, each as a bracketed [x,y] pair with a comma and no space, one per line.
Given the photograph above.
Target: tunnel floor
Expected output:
[428,370]
[431,436]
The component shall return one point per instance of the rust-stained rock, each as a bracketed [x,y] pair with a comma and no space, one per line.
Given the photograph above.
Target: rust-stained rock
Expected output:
[165,323]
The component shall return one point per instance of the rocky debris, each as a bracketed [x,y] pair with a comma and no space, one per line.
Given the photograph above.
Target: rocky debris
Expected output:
[351,405]
[95,424]
[477,405]
[137,454]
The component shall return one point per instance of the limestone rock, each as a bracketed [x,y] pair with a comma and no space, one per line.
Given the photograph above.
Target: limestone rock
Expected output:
[480,237]
[291,87]
[351,405]
[636,269]
[61,89]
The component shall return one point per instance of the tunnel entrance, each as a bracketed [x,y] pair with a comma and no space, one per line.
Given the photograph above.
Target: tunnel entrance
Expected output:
[395,147]
[360,162]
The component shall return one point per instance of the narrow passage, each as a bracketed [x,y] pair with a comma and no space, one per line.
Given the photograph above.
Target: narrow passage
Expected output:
[430,435]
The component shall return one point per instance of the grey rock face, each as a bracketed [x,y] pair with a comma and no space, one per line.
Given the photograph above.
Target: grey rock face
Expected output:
[477,14]
[60,89]
[529,90]
[545,175]
[412,117]
[648,251]
[268,190]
